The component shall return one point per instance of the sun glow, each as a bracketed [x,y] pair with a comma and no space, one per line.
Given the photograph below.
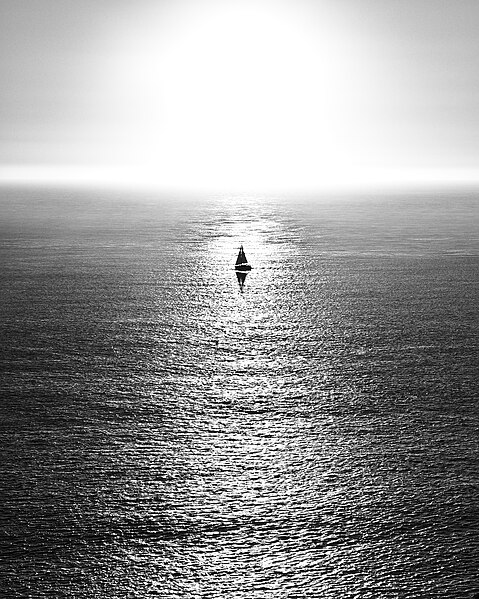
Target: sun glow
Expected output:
[250,96]
[239,96]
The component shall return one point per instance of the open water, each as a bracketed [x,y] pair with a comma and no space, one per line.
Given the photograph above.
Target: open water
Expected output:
[165,433]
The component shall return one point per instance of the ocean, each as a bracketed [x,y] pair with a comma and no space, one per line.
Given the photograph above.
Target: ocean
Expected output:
[170,430]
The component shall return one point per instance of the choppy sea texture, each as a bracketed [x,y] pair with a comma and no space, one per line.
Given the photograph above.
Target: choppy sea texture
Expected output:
[166,434]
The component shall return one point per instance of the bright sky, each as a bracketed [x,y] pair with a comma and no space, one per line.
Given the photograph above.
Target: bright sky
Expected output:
[240,94]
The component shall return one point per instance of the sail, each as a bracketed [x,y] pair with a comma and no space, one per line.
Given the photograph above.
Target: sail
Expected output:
[241,259]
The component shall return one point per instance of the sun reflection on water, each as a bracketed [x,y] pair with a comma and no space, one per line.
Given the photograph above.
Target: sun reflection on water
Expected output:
[249,470]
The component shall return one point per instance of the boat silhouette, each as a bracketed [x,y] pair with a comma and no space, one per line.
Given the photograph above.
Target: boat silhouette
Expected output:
[241,261]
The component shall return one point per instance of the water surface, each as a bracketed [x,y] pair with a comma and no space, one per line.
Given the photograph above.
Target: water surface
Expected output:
[166,433]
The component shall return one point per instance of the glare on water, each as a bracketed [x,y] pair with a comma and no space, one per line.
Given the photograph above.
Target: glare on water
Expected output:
[171,433]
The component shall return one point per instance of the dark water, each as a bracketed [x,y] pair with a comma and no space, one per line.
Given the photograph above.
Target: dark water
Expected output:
[164,434]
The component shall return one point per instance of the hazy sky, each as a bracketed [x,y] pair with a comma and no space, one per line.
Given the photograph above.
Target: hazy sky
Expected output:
[239,94]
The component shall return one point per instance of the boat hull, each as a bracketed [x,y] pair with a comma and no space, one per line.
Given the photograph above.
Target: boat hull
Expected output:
[243,267]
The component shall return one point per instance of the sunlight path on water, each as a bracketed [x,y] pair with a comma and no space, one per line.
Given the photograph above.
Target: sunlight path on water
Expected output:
[254,446]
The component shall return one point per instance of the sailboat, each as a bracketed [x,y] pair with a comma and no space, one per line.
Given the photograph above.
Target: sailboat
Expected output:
[241,261]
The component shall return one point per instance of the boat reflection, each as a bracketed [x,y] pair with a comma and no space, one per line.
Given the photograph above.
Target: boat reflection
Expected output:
[241,276]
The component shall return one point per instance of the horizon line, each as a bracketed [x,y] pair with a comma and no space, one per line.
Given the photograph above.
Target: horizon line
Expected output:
[349,180]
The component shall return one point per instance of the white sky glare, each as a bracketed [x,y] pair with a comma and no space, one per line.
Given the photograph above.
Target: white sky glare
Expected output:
[240,95]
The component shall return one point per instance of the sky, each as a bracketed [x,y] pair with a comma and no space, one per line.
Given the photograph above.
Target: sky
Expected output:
[239,95]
